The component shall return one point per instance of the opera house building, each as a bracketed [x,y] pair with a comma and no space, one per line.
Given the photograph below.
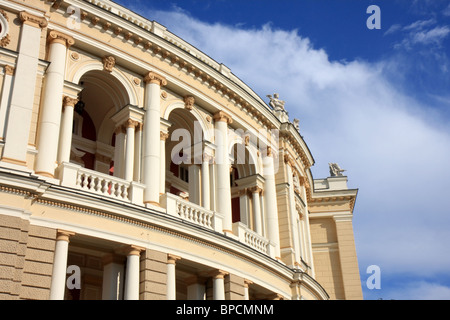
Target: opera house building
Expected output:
[135,167]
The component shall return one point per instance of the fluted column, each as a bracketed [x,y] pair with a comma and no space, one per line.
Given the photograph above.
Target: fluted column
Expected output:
[23,87]
[270,197]
[257,209]
[65,136]
[223,169]
[151,135]
[219,284]
[132,273]
[59,272]
[171,276]
[50,116]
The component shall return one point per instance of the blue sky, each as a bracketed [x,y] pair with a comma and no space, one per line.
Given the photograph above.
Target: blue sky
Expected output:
[375,101]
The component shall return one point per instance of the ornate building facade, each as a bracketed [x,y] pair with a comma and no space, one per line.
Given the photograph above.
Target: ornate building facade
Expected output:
[133,166]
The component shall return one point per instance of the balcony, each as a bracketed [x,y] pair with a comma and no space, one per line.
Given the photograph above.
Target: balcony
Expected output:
[110,187]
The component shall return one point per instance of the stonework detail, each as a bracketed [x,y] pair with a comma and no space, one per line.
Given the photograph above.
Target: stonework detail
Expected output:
[189,102]
[109,62]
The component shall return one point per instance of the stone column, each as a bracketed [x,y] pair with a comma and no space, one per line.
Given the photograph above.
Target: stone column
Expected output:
[271,207]
[206,185]
[17,129]
[292,208]
[119,152]
[113,270]
[132,273]
[171,277]
[244,207]
[219,285]
[137,152]
[50,116]
[65,136]
[59,272]
[129,149]
[247,284]
[257,209]
[151,135]
[162,176]
[195,288]
[5,98]
[223,169]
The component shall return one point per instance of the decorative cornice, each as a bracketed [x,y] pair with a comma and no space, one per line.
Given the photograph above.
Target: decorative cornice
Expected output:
[59,37]
[32,20]
[222,116]
[153,77]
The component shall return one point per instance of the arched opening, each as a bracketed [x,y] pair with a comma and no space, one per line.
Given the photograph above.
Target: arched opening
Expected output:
[93,129]
[183,155]
[243,178]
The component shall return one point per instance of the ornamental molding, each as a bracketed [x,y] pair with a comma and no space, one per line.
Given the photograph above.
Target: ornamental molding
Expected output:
[189,102]
[109,62]
[33,20]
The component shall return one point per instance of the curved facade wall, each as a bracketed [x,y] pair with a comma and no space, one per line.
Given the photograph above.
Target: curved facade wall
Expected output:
[140,168]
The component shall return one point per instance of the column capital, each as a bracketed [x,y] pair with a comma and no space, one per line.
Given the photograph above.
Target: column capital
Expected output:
[120,129]
[9,70]
[130,123]
[289,160]
[218,274]
[255,189]
[33,20]
[63,235]
[163,136]
[247,283]
[172,259]
[133,250]
[153,77]
[59,37]
[68,101]
[222,116]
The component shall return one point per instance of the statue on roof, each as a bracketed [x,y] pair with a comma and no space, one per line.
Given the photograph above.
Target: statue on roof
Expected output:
[296,124]
[335,170]
[275,102]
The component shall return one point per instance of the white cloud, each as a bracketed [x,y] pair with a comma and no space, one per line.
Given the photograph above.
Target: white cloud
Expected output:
[394,152]
[420,290]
